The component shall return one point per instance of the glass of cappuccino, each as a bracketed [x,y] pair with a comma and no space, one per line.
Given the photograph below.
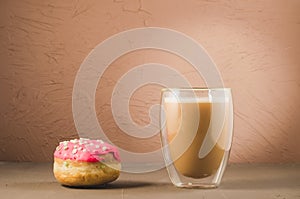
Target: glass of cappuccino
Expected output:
[196,134]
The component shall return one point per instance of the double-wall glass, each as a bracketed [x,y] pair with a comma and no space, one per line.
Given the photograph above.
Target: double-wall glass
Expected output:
[196,134]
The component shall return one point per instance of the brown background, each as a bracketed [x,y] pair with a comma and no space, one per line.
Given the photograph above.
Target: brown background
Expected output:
[255,44]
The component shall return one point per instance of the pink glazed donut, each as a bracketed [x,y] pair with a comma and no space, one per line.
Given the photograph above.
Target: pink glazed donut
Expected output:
[85,162]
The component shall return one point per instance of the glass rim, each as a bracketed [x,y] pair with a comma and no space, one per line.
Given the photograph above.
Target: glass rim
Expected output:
[195,89]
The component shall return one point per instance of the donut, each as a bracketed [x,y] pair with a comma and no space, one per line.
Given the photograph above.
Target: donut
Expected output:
[86,162]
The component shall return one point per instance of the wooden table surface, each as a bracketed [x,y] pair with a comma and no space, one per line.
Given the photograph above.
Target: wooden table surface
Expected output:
[35,180]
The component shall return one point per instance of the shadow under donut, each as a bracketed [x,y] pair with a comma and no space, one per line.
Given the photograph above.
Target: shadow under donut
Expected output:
[120,184]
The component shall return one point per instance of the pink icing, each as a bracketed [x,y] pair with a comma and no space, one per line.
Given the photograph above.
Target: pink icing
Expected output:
[85,150]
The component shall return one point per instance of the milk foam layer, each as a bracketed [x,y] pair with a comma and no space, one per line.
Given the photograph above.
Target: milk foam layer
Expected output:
[196,99]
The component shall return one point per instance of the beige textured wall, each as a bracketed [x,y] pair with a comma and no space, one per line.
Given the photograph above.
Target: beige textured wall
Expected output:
[256,45]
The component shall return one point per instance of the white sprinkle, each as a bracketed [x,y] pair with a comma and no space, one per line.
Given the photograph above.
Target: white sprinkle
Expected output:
[74,151]
[57,148]
[66,147]
[75,146]
[73,141]
[97,146]
[84,150]
[80,148]
[104,148]
[100,141]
